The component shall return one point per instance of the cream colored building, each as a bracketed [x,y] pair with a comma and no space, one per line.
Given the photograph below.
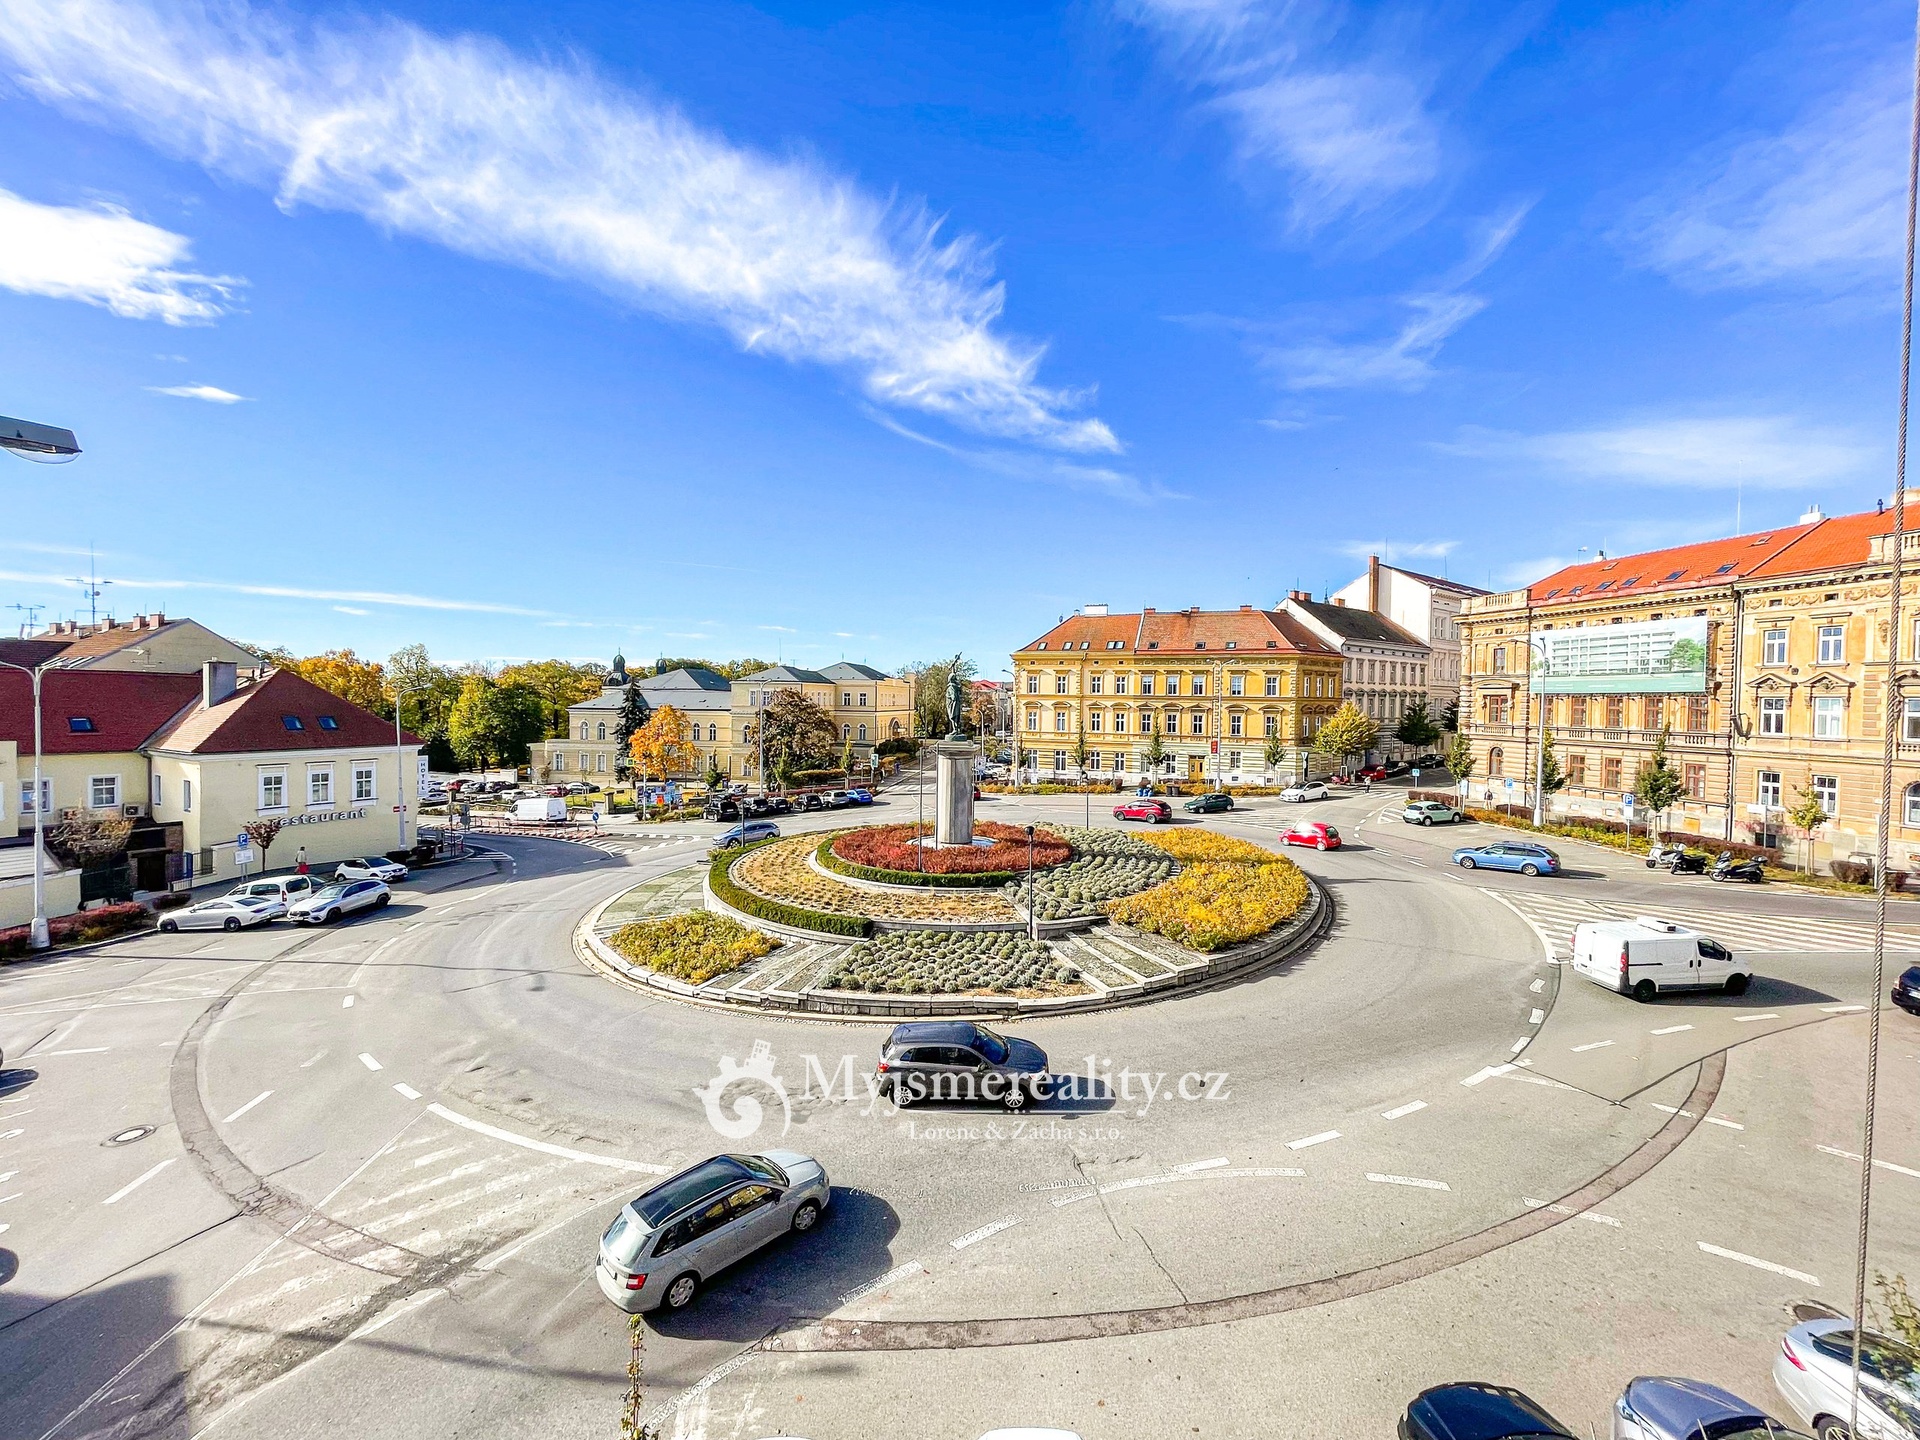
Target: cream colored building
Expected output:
[867,706]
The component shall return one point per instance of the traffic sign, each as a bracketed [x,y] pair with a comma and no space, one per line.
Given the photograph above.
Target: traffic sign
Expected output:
[1216,747]
[1416,774]
[1509,784]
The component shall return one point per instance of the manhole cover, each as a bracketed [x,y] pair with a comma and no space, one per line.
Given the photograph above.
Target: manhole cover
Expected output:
[127,1137]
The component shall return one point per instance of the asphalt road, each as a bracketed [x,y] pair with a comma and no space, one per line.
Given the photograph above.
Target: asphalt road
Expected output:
[381,1155]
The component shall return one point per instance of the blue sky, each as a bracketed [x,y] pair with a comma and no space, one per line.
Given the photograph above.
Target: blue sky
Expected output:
[884,331]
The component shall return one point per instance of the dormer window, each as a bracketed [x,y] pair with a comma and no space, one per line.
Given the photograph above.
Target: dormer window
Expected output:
[1674,576]
[1603,585]
[1725,568]
[1199,644]
[1233,644]
[1153,644]
[327,722]
[1041,646]
[80,724]
[292,722]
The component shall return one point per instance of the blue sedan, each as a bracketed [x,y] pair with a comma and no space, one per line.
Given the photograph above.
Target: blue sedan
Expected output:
[1522,855]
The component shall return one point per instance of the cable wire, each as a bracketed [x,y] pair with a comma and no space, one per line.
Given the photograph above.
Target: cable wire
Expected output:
[1889,720]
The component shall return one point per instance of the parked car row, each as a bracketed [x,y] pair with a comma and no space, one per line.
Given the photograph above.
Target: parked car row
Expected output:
[735,806]
[360,884]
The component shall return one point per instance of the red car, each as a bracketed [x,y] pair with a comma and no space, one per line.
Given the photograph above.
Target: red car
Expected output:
[1154,812]
[1317,833]
[1372,772]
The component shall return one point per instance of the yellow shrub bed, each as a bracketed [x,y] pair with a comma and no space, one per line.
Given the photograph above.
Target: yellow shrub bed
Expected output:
[693,947]
[1227,891]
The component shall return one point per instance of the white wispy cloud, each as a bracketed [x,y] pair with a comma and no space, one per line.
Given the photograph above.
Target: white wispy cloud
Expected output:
[465,143]
[1345,134]
[1391,550]
[211,393]
[103,256]
[401,599]
[1775,452]
[1041,469]
[352,610]
[783,629]
[1822,201]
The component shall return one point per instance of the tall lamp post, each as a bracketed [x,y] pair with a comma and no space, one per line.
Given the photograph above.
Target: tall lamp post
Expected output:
[1538,702]
[399,757]
[37,936]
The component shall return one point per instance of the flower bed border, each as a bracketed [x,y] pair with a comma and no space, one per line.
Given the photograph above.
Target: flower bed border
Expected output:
[964,880]
[720,884]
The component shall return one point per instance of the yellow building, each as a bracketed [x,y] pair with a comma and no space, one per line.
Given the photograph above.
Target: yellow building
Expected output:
[867,706]
[1218,689]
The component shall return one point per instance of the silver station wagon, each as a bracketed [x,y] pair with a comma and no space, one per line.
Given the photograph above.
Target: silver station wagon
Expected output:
[664,1245]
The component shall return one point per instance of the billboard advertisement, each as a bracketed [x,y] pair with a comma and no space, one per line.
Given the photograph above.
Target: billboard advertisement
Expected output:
[1648,657]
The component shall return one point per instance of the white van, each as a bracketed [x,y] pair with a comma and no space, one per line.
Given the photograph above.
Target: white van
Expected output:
[1645,956]
[540,810]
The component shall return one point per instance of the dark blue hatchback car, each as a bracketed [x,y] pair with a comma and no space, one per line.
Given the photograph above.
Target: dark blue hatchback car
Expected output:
[1475,1410]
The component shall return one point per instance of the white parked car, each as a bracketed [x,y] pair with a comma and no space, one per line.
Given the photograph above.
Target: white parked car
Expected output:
[1814,1374]
[1306,790]
[284,888]
[227,913]
[370,868]
[330,902]
[1646,956]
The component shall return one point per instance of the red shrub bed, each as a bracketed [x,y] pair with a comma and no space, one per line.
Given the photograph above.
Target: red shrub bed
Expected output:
[100,923]
[890,847]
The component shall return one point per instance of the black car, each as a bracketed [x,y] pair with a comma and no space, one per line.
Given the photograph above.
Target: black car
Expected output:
[726,808]
[809,802]
[779,805]
[1475,1410]
[1906,990]
[1208,804]
[958,1060]
[754,806]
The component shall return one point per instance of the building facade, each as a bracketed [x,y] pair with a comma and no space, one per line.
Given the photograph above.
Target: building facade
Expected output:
[590,750]
[1383,668]
[1228,695]
[867,706]
[1428,607]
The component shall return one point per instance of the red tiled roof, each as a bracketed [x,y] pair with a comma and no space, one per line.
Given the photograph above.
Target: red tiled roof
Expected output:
[1842,540]
[36,651]
[1181,632]
[254,719]
[126,707]
[1680,567]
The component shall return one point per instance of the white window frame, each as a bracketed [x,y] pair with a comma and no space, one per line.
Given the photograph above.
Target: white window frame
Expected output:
[186,795]
[319,787]
[26,795]
[1836,654]
[369,771]
[155,795]
[1773,647]
[560,762]
[1826,788]
[1237,685]
[272,779]
[1766,789]
[112,791]
[1273,685]
[1910,720]
[1829,717]
[1773,714]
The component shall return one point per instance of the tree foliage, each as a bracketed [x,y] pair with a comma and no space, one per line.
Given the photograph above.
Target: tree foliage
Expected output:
[1348,731]
[1416,727]
[491,722]
[558,684]
[262,833]
[1657,784]
[800,735]
[426,692]
[663,747]
[634,713]
[85,837]
[1156,751]
[1460,759]
[1275,750]
[1450,717]
[1552,781]
[1807,816]
[358,682]
[930,692]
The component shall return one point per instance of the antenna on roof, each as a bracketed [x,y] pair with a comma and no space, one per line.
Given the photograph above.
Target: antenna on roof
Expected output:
[30,624]
[92,588]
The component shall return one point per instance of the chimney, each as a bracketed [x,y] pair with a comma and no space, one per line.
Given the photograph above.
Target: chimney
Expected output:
[1813,514]
[1246,609]
[1148,610]
[1373,583]
[1340,601]
[218,680]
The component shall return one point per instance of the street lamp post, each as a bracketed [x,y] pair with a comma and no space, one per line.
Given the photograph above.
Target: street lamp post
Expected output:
[1538,704]
[399,758]
[1033,924]
[37,935]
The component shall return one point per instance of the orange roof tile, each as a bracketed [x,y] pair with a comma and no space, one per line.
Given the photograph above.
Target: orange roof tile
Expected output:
[1680,567]
[1182,632]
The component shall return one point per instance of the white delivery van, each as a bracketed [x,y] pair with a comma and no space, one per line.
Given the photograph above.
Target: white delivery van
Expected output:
[1645,956]
[540,809]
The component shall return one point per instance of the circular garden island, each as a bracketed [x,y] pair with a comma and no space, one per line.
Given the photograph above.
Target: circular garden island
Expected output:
[869,920]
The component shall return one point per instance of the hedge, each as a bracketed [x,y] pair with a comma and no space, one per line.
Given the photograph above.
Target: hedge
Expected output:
[1614,833]
[777,912]
[82,928]
[959,881]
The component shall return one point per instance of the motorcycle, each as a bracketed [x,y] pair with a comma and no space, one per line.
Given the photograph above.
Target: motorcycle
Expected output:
[1677,859]
[1727,868]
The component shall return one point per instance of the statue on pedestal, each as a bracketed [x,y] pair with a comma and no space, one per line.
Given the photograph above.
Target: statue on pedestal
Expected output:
[956,703]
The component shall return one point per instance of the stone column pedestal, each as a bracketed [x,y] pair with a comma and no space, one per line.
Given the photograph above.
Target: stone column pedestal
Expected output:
[953,791]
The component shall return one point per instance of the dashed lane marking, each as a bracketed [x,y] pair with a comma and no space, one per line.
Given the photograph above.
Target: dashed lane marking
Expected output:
[1412,1180]
[1882,1164]
[368,1061]
[246,1107]
[1196,1165]
[1487,1074]
[880,1282]
[1591,1045]
[1728,1124]
[1749,1019]
[544,1147]
[1841,1009]
[137,1182]
[1320,1139]
[974,1237]
[15,1196]
[1399,1110]
[1537,986]
[1140,1182]
[346,1002]
[50,1054]
[1595,1216]
[1522,1043]
[408,1091]
[1670,1030]
[1537,1016]
[1759,1264]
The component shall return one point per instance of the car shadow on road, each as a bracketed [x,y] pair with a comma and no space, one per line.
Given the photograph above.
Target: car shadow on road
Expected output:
[1762,991]
[795,1279]
[62,1350]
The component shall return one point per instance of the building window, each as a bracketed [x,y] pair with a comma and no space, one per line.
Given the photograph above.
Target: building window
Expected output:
[1496,763]
[1096,684]
[846,732]
[1033,684]
[1033,719]
[320,785]
[1272,725]
[1829,717]
[80,725]
[1577,711]
[1697,714]
[600,763]
[1616,712]
[1499,659]
[1695,777]
[846,699]
[583,729]
[1652,713]
[1273,685]
[103,792]
[1826,789]
[1119,684]
[154,798]
[1912,816]
[1237,685]
[863,698]
[861,734]
[292,722]
[1119,722]
[1059,759]
[1233,756]
[362,781]
[559,762]
[1234,723]
[1094,721]
[46,796]
[1576,769]
[1910,721]
[1610,773]
[1146,683]
[1766,789]
[600,731]
[1199,724]
[1773,647]
[327,722]
[1060,721]
[1059,684]
[273,789]
[1833,644]
[1773,715]
[1496,709]
[1198,685]
[186,795]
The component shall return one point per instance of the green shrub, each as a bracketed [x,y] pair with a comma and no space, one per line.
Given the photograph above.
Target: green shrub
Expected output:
[960,881]
[694,946]
[777,912]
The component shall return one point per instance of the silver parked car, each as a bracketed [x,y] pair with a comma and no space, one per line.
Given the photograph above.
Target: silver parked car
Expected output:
[227,913]
[330,902]
[664,1245]
[1663,1408]
[1814,1374]
[284,888]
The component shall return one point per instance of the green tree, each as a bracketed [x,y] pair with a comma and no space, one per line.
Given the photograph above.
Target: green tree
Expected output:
[715,776]
[1275,750]
[493,722]
[425,692]
[1657,785]
[1807,815]
[1450,717]
[1687,655]
[1416,727]
[1460,761]
[1080,750]
[1348,731]
[558,685]
[930,692]
[846,754]
[262,833]
[1552,781]
[634,712]
[800,735]
[1156,753]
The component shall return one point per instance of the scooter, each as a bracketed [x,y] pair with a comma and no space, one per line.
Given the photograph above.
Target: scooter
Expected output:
[1677,859]
[1727,868]
[1664,855]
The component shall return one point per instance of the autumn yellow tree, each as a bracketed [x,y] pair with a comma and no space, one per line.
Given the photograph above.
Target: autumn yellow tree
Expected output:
[663,746]
[358,682]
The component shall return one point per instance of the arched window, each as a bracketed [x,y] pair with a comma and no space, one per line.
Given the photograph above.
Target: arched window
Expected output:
[863,733]
[1913,805]
[846,732]
[602,728]
[1496,763]
[894,727]
[713,733]
[583,729]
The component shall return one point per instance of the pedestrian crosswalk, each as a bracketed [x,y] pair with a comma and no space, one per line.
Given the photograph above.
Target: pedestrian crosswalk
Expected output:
[1554,916]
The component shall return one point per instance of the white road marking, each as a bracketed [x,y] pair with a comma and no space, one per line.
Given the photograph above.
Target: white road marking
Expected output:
[246,1107]
[1749,1019]
[1672,1111]
[1537,1016]
[1193,1165]
[527,1143]
[368,1061]
[1320,1139]
[408,1091]
[1536,1080]
[974,1237]
[1849,1155]
[1487,1074]
[9,1134]
[1591,1045]
[133,1185]
[346,1002]
[1841,1009]
[1399,1110]
[305,1064]
[1258,1172]
[1592,1215]
[1522,1043]
[4,1229]
[394,1312]
[899,1272]
[1759,1264]
[1414,1181]
[1730,1124]
[1670,1030]
[49,1054]
[15,1196]
[8,1176]
[1537,986]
